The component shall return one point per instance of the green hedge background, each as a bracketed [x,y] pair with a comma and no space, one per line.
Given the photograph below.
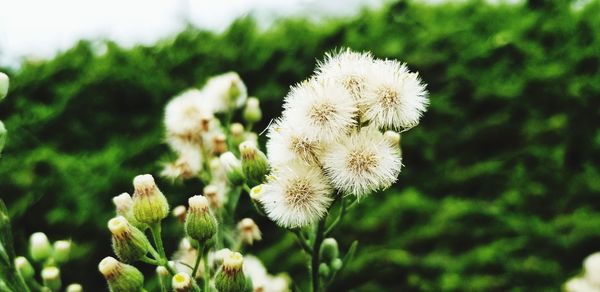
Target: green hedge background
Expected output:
[502,178]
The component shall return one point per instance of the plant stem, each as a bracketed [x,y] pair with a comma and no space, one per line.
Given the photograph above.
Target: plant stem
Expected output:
[315,261]
[148,260]
[302,240]
[155,230]
[337,219]
[206,271]
[199,253]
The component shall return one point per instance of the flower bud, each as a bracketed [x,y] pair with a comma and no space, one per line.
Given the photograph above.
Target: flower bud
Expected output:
[4,83]
[392,137]
[254,163]
[591,266]
[3,135]
[230,277]
[219,144]
[237,134]
[51,278]
[149,204]
[121,277]
[211,192]
[336,264]
[329,250]
[248,231]
[124,207]
[182,282]
[200,223]
[233,168]
[164,277]
[39,247]
[24,267]
[179,212]
[62,250]
[129,243]
[324,270]
[252,112]
[256,192]
[220,255]
[74,288]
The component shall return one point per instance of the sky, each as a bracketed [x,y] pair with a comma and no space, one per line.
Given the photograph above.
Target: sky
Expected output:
[41,28]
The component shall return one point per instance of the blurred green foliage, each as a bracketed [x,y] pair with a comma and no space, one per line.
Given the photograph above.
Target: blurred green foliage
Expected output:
[501,180]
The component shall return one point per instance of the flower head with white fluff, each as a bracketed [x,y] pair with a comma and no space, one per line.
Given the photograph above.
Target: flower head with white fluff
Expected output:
[396,98]
[225,92]
[350,69]
[362,162]
[324,109]
[287,142]
[296,195]
[183,117]
[262,281]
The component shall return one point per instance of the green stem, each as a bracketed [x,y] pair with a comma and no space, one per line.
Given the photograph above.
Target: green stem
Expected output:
[206,271]
[302,240]
[315,261]
[337,219]
[34,285]
[155,230]
[199,253]
[148,260]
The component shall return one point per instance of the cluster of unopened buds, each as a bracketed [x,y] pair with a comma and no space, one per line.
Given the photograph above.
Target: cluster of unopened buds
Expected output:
[48,256]
[337,141]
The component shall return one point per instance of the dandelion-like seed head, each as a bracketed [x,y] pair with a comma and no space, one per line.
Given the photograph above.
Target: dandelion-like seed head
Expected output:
[296,195]
[396,99]
[287,142]
[362,162]
[325,109]
[185,117]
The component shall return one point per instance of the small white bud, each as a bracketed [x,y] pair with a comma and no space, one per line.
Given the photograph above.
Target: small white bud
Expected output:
[179,212]
[248,231]
[74,288]
[4,83]
[39,246]
[51,278]
[62,250]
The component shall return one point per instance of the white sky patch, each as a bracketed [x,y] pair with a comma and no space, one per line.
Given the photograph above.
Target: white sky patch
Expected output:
[40,28]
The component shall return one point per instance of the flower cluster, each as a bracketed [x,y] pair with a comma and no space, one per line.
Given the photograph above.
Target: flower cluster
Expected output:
[50,257]
[332,135]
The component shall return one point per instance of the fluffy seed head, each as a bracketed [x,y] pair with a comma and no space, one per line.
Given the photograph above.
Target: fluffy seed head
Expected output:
[396,99]
[362,162]
[296,195]
[288,142]
[325,109]
[184,116]
[226,91]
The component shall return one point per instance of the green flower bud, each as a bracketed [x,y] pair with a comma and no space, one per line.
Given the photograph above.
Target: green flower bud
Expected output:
[62,250]
[233,168]
[39,247]
[51,278]
[324,270]
[124,207]
[200,223]
[121,277]
[24,267]
[129,243]
[182,282]
[74,288]
[237,134]
[149,204]
[164,277]
[329,250]
[3,135]
[336,264]
[4,83]
[254,163]
[230,278]
[252,112]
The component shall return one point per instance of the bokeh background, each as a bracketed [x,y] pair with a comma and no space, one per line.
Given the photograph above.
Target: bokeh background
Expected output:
[501,180]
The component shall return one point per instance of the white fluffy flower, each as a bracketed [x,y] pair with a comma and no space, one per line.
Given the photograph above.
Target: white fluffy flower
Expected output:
[296,195]
[591,265]
[287,142]
[362,162]
[324,109]
[187,165]
[262,281]
[394,98]
[350,69]
[184,115]
[225,92]
[579,284]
